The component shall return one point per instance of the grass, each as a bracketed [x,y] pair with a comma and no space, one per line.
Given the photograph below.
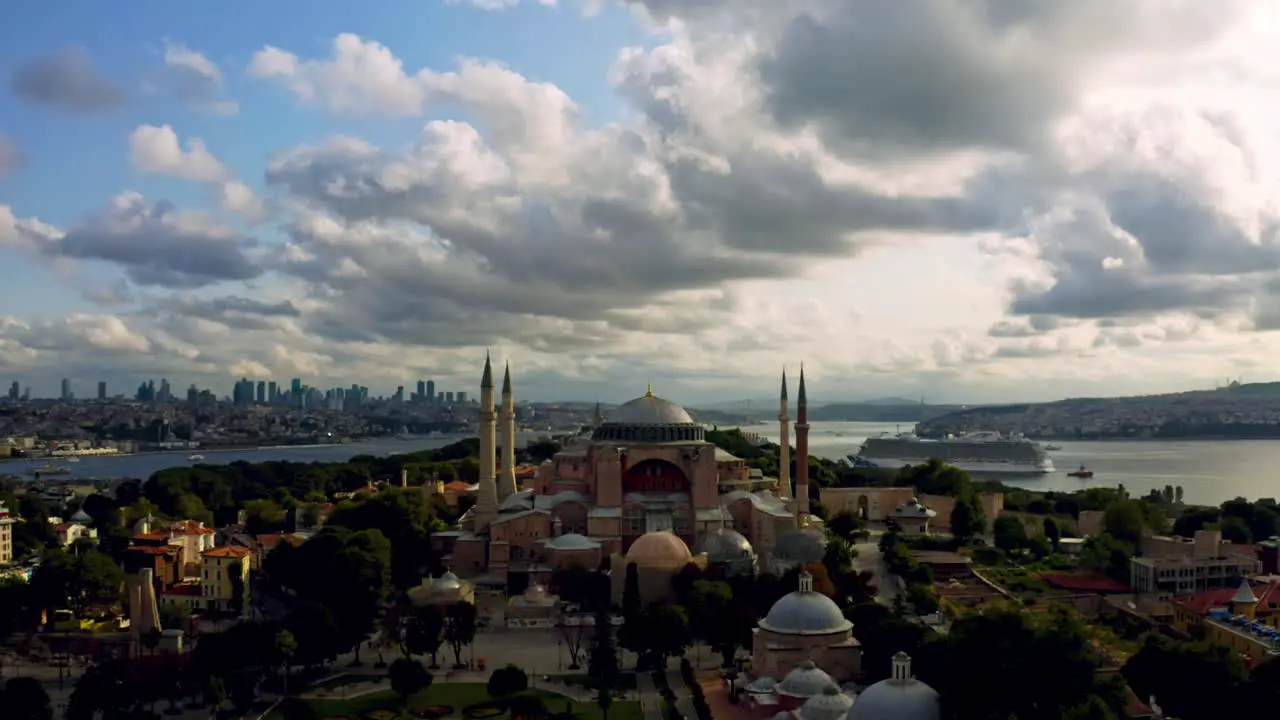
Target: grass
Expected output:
[340,681]
[459,695]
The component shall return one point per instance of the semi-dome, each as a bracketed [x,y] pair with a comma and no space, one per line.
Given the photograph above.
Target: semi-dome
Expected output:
[805,681]
[572,541]
[659,548]
[901,697]
[830,704]
[803,546]
[725,545]
[649,419]
[805,612]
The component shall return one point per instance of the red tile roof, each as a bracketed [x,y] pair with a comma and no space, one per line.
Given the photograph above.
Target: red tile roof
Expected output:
[1085,583]
[153,549]
[189,527]
[1201,603]
[154,535]
[227,551]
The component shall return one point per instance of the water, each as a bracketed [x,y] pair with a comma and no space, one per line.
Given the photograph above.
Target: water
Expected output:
[1210,472]
[143,465]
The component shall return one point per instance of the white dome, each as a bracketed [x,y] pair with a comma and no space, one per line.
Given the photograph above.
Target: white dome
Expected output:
[572,541]
[650,410]
[447,581]
[805,681]
[901,697]
[830,704]
[805,612]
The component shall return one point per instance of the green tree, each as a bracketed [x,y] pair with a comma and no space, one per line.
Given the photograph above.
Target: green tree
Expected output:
[507,681]
[967,519]
[263,516]
[459,629]
[424,632]
[24,698]
[1236,530]
[1194,681]
[1010,534]
[847,526]
[1125,521]
[602,664]
[1052,532]
[408,678]
[286,647]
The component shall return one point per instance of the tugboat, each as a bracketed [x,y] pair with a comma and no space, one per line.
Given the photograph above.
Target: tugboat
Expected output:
[1082,473]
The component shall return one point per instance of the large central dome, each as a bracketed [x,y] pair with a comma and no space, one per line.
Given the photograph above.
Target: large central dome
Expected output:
[650,419]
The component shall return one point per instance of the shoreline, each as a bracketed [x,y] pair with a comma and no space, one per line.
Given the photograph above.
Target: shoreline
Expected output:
[188,451]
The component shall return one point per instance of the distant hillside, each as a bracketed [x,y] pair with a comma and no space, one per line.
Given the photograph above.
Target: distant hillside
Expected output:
[1236,411]
[880,411]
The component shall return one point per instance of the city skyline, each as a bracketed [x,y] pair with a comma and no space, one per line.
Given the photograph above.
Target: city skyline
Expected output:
[976,202]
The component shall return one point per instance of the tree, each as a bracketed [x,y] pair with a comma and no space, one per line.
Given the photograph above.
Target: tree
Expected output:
[1125,521]
[631,591]
[1195,681]
[1177,494]
[424,633]
[235,573]
[602,665]
[24,698]
[1010,534]
[1052,532]
[666,632]
[1105,554]
[408,678]
[847,526]
[1235,530]
[286,648]
[574,634]
[507,681]
[459,629]
[967,519]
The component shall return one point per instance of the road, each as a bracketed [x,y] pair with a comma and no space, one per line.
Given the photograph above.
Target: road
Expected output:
[870,558]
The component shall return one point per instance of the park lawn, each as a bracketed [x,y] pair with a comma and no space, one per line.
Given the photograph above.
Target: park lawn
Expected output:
[459,696]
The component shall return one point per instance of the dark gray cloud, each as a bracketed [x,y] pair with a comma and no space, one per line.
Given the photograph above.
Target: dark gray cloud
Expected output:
[67,80]
[158,245]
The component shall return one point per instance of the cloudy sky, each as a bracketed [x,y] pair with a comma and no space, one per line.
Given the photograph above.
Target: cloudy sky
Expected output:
[962,199]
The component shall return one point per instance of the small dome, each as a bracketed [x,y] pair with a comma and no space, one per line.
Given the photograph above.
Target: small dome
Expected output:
[572,541]
[650,410]
[830,704]
[659,548]
[805,681]
[725,545]
[81,517]
[521,500]
[901,697]
[447,581]
[762,685]
[803,546]
[914,509]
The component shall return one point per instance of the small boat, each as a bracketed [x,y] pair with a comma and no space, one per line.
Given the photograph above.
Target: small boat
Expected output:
[1052,448]
[1082,473]
[73,458]
[49,469]
[194,458]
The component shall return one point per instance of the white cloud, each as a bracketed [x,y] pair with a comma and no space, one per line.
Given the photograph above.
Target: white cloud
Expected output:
[156,149]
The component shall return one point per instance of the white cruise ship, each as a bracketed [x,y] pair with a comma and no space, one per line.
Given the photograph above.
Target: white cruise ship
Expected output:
[982,452]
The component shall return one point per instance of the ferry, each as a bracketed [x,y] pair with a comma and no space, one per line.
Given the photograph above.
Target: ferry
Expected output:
[1053,448]
[194,458]
[49,469]
[983,452]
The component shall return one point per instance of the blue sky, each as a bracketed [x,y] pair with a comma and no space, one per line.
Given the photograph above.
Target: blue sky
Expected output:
[74,163]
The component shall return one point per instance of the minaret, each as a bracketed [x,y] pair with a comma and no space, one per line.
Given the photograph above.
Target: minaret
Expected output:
[784,442]
[802,455]
[507,481]
[486,508]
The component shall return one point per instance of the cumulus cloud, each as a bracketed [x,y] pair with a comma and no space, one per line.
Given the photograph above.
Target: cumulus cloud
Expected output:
[156,149]
[67,80]
[196,80]
[915,196]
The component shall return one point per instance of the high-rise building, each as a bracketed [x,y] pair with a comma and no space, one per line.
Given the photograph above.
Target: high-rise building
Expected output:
[193,398]
[430,395]
[262,393]
[448,398]
[66,389]
[272,393]
[15,390]
[102,389]
[421,395]
[165,394]
[295,386]
[462,397]
[242,394]
[440,398]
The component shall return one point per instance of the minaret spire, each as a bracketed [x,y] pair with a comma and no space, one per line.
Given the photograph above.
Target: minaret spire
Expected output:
[784,443]
[507,479]
[802,454]
[486,507]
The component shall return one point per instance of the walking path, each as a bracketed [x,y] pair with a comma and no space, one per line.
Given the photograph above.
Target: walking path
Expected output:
[650,701]
[684,696]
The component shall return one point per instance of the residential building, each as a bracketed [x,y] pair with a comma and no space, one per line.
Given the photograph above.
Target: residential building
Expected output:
[1190,567]
[74,529]
[217,580]
[1244,620]
[194,538]
[6,535]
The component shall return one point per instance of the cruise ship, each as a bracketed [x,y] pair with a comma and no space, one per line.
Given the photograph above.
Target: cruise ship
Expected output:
[982,452]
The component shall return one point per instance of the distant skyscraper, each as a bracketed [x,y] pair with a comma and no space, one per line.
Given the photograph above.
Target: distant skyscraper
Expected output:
[165,394]
[440,398]
[430,394]
[422,391]
[262,393]
[272,393]
[102,389]
[448,398]
[15,391]
[462,397]
[66,389]
[295,386]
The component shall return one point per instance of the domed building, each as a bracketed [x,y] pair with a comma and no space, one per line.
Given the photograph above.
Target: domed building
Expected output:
[730,551]
[658,557]
[831,704]
[901,697]
[806,627]
[797,548]
[645,467]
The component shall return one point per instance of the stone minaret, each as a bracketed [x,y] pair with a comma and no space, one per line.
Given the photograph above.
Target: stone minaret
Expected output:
[507,481]
[802,454]
[784,442]
[486,508]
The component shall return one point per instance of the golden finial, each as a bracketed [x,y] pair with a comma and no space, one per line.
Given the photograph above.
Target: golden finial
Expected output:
[648,389]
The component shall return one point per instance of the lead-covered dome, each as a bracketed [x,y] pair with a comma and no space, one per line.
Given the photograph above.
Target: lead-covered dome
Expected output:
[830,704]
[901,697]
[805,681]
[726,545]
[805,612]
[650,419]
[659,548]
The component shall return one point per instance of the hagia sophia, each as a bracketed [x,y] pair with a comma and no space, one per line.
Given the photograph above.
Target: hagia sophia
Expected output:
[646,488]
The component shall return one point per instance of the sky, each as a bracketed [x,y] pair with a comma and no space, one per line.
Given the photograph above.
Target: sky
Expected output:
[960,200]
